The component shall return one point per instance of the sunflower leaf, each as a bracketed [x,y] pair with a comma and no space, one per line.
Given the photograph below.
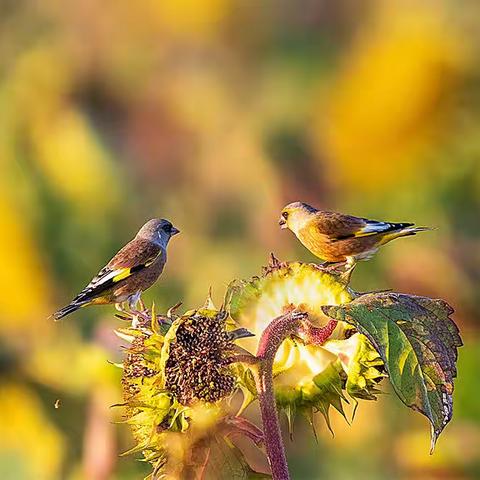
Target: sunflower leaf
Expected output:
[418,342]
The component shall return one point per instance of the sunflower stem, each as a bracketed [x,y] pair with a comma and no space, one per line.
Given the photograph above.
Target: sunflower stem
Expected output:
[272,337]
[314,335]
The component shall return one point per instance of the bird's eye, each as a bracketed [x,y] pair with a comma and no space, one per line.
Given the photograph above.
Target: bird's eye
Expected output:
[285,215]
[167,228]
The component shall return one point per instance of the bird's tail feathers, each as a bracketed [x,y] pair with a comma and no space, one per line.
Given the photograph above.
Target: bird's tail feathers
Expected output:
[404,232]
[414,230]
[63,312]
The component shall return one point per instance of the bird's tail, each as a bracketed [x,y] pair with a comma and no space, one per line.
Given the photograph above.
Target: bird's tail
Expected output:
[403,230]
[413,230]
[63,312]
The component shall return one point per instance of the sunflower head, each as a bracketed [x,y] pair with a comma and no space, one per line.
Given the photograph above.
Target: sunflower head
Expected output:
[308,377]
[197,367]
[176,372]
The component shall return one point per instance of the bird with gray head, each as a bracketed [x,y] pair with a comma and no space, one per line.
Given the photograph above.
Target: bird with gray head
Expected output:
[134,269]
[336,237]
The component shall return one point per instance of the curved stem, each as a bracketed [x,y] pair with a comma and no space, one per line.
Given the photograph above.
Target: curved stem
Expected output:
[271,426]
[272,337]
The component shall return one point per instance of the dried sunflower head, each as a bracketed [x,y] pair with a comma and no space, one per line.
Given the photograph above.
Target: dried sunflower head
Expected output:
[176,372]
[198,362]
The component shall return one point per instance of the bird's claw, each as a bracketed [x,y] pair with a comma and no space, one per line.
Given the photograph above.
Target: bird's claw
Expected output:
[334,266]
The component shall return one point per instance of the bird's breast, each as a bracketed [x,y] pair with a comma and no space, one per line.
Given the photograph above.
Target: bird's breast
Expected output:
[319,244]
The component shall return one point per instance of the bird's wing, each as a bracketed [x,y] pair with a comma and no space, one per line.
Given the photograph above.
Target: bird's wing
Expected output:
[338,226]
[133,257]
[373,227]
[135,254]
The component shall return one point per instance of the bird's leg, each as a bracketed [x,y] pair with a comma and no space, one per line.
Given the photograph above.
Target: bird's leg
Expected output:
[350,265]
[136,314]
[133,301]
[343,269]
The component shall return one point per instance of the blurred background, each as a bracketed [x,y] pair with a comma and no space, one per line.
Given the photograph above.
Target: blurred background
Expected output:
[215,114]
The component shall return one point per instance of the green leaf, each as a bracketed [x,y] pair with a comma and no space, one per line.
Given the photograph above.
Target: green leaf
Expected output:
[246,383]
[418,342]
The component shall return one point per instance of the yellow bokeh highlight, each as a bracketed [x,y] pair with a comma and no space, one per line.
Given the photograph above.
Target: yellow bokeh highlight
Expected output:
[390,96]
[39,83]
[71,365]
[23,283]
[65,147]
[28,435]
[75,163]
[190,17]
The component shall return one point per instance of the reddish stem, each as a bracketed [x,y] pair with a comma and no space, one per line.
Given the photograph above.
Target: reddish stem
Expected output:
[272,337]
[314,335]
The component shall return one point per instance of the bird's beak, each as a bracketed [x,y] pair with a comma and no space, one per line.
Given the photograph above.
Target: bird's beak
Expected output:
[174,231]
[283,223]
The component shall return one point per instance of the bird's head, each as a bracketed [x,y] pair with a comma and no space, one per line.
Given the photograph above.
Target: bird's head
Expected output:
[295,215]
[158,230]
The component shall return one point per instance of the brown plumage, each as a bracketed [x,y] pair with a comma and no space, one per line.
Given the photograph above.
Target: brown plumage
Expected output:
[336,237]
[134,269]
